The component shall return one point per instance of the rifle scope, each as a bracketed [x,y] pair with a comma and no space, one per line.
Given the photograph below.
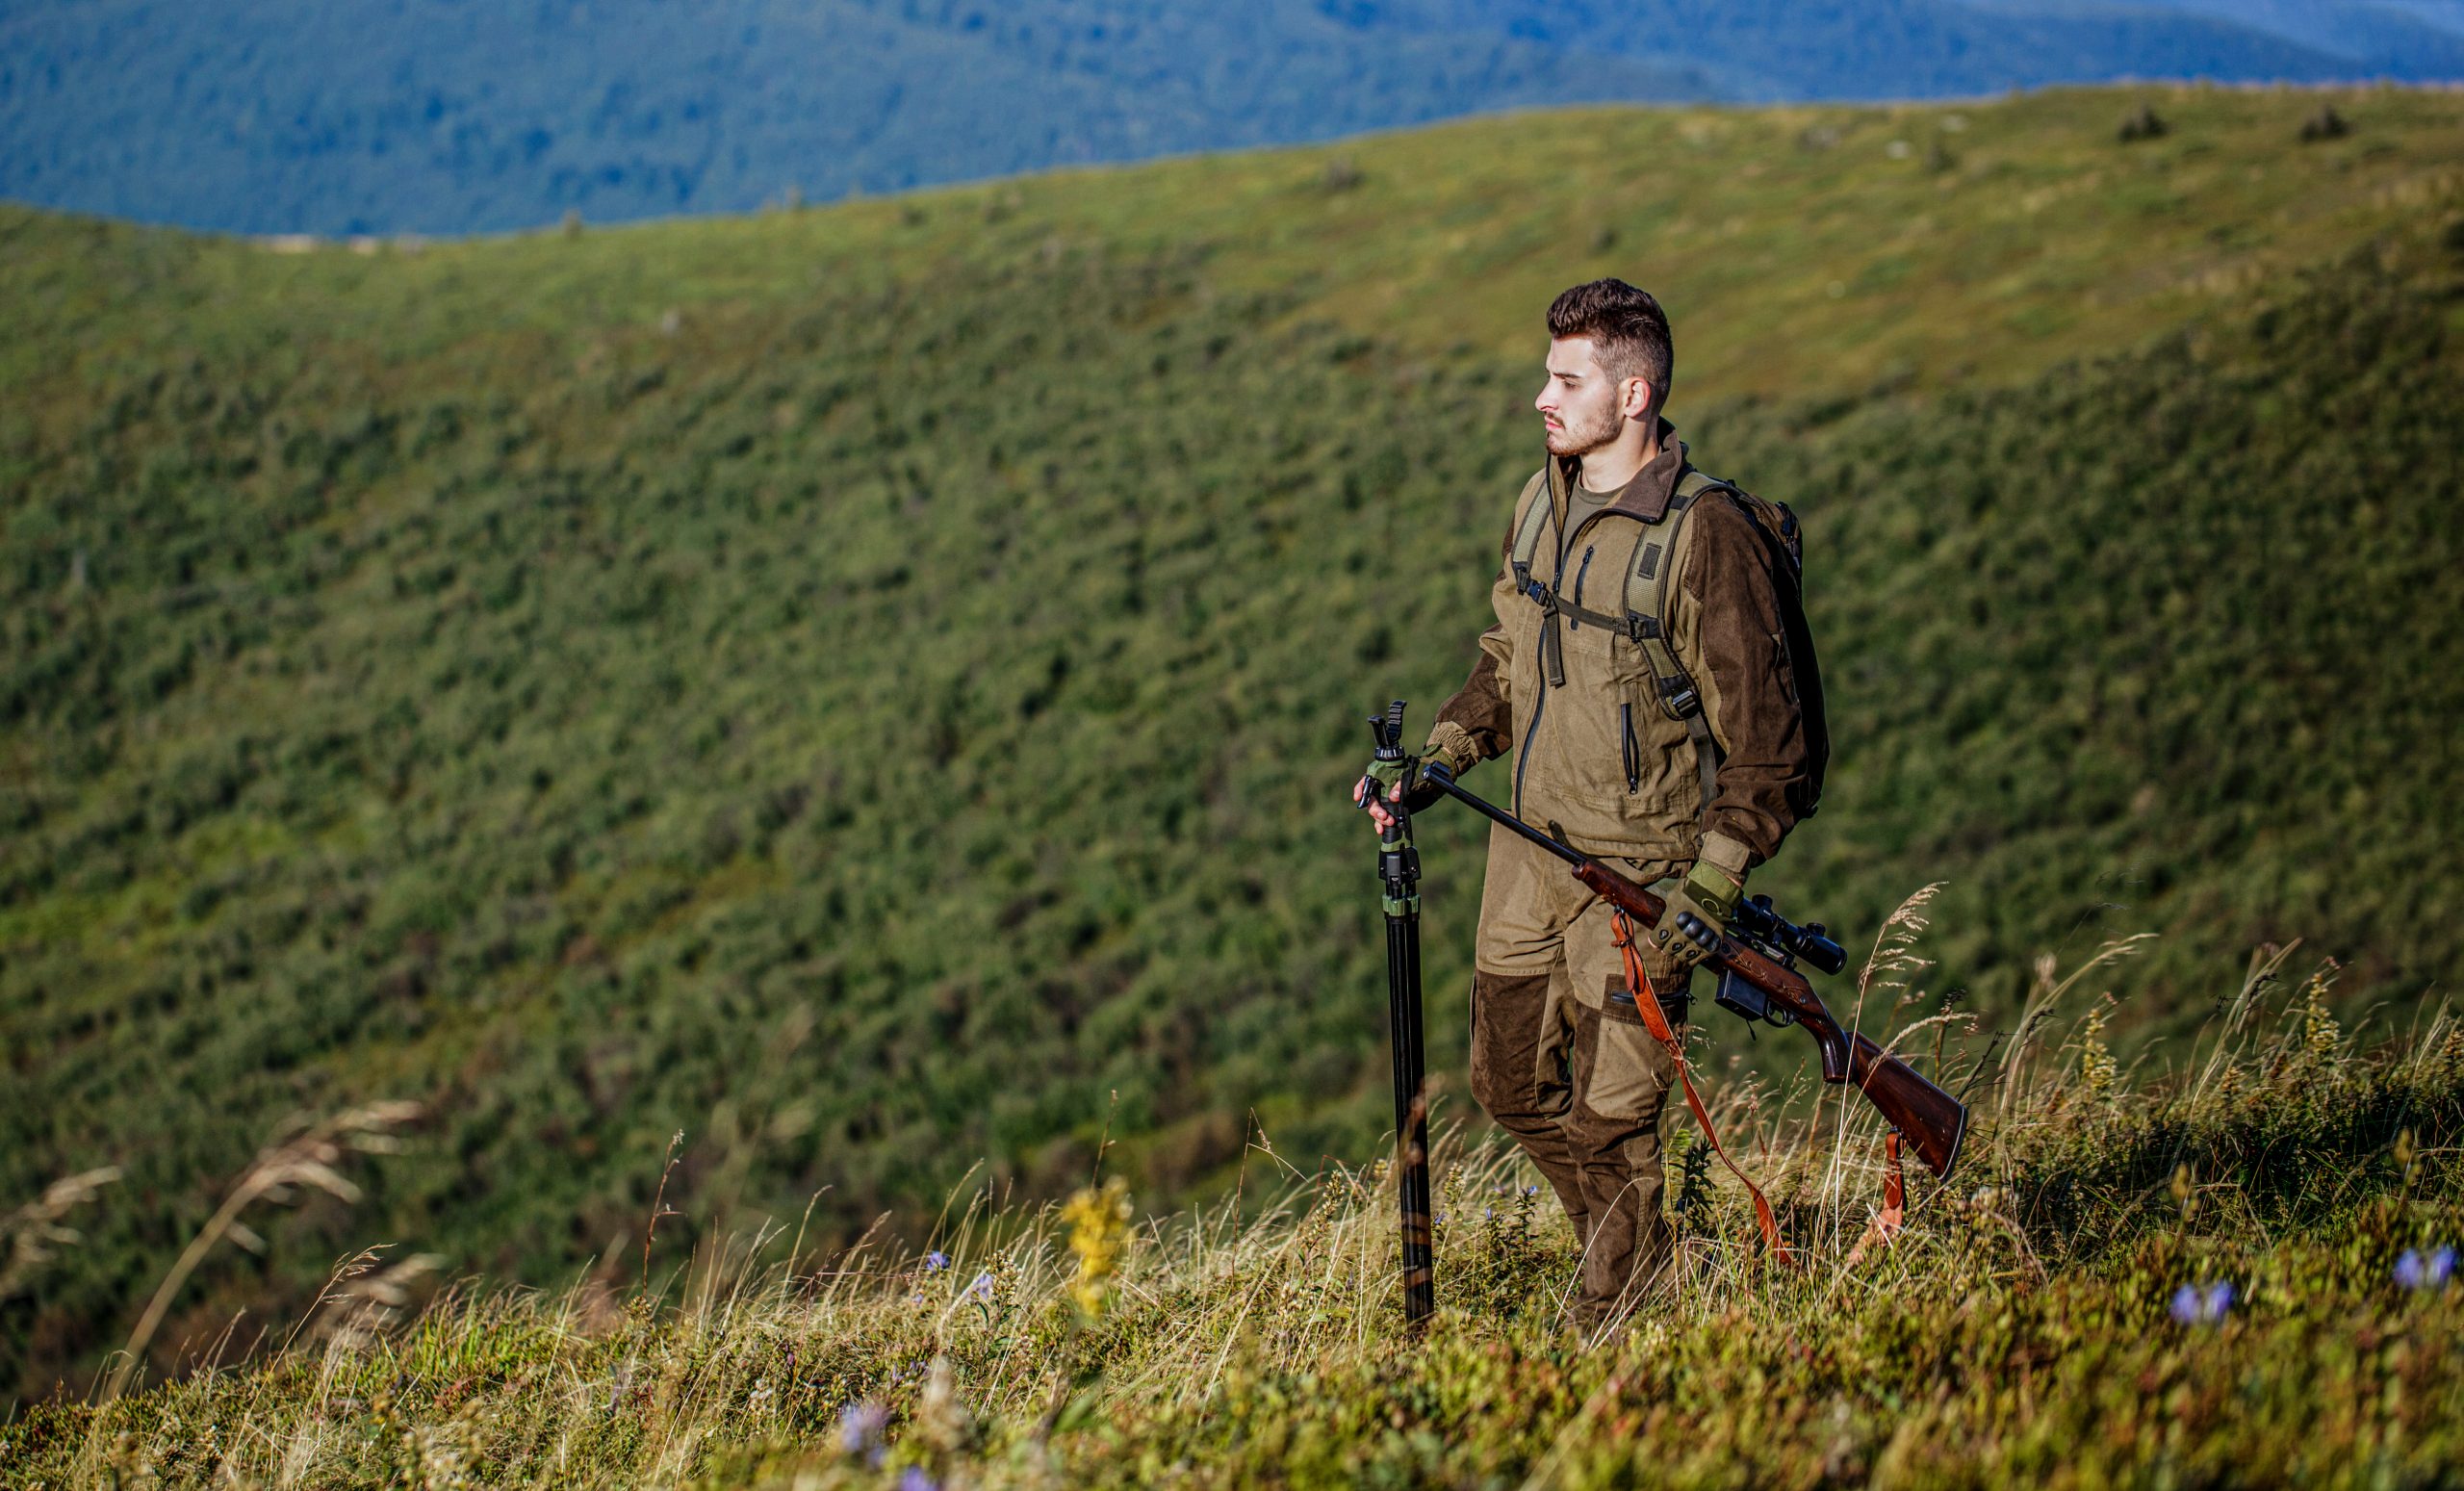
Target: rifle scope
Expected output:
[1758,922]
[1774,937]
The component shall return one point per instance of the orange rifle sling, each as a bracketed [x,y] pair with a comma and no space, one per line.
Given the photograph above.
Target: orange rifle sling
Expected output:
[1647,1004]
[1893,1216]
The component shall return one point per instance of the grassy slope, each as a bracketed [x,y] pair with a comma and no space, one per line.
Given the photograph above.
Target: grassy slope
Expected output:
[2021,1330]
[2032,239]
[874,721]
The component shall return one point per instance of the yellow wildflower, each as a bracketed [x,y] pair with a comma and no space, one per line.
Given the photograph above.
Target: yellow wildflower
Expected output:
[1098,1234]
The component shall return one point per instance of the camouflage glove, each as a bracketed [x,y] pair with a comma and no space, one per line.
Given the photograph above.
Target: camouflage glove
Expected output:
[1451,746]
[1697,915]
[1382,776]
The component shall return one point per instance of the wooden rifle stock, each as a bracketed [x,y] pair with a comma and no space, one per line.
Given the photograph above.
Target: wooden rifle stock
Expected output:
[1933,1119]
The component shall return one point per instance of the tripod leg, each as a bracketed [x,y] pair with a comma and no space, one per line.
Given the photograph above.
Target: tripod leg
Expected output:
[1411,1115]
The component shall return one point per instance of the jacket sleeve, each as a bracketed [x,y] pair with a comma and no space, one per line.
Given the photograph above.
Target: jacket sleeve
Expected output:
[1741,664]
[1478,721]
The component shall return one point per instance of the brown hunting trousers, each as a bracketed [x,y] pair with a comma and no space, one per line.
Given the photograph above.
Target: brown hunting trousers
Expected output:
[1562,1061]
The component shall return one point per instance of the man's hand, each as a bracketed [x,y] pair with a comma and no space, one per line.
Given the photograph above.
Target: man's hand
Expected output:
[1697,915]
[1385,782]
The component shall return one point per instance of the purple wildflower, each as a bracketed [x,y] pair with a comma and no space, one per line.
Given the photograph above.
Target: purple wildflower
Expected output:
[2202,1304]
[859,1429]
[913,1478]
[2415,1271]
[935,1261]
[982,1288]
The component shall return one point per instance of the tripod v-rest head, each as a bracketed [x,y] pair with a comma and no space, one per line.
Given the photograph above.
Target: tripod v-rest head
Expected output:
[1386,731]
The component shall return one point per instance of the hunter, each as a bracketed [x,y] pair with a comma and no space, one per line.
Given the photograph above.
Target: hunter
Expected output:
[1640,672]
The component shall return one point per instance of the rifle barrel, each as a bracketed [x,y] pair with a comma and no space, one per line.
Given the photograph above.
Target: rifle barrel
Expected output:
[1444,780]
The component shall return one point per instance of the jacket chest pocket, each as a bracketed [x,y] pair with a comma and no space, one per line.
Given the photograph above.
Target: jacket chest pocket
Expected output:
[1603,655]
[1612,715]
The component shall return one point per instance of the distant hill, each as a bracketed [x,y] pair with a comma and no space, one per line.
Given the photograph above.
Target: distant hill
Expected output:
[431,117]
[872,688]
[2385,36]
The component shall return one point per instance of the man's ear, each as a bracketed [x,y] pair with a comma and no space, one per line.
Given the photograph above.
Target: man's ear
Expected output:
[1639,394]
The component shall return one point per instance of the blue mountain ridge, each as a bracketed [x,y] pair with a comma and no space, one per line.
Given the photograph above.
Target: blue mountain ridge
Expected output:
[446,116]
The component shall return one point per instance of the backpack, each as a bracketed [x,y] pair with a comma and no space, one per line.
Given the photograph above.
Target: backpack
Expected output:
[1783,546]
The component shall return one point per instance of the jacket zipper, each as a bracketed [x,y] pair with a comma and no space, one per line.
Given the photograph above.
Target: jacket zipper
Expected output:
[1539,700]
[1629,749]
[1584,569]
[1539,703]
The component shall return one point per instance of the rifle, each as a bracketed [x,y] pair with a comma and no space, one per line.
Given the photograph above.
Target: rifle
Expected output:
[1758,981]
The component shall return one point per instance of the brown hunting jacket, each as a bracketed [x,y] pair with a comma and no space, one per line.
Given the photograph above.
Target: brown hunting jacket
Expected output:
[1598,755]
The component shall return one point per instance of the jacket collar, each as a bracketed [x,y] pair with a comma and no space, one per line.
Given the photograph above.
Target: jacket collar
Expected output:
[1648,494]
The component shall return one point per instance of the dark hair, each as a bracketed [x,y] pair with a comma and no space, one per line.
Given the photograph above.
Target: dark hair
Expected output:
[1626,324]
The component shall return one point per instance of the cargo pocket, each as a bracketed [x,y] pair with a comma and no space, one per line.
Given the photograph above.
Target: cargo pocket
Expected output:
[1631,1070]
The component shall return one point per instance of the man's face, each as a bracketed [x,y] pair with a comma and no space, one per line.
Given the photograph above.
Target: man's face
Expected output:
[1583,407]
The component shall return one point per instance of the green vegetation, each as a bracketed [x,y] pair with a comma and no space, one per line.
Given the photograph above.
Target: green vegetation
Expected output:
[2238,1282]
[1815,252]
[873,689]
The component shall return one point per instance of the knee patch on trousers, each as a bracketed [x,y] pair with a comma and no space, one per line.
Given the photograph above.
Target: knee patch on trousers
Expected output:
[1509,1015]
[1630,1071]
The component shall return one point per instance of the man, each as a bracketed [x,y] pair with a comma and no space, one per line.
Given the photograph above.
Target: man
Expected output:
[1639,673]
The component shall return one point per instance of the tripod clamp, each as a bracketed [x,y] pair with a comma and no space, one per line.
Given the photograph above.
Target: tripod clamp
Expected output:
[1399,863]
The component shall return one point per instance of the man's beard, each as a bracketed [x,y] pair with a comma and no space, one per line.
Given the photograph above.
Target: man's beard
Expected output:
[1579,440]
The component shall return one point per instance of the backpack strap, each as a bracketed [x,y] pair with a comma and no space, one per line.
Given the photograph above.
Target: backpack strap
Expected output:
[1654,566]
[1536,516]
[1536,513]
[1527,538]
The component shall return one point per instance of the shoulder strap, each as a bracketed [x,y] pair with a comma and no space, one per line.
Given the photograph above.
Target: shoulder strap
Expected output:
[1655,563]
[1540,504]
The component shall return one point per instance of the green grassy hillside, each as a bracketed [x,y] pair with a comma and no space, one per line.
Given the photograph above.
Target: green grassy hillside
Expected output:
[874,689]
